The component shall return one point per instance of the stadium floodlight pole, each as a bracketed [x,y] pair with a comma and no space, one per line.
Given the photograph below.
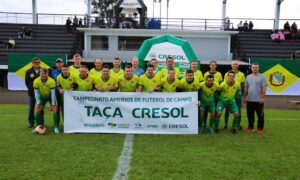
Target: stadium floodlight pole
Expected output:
[277,13]
[223,13]
[89,13]
[34,17]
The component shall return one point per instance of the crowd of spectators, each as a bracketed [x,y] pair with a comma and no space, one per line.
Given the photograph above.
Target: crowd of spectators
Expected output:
[76,23]
[25,32]
[287,33]
[242,27]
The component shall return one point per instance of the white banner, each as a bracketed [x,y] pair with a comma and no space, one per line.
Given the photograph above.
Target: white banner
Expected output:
[133,113]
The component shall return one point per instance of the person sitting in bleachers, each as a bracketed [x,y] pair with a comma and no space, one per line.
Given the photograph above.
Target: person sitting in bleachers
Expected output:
[28,33]
[11,43]
[294,28]
[274,35]
[21,33]
[240,26]
[286,26]
[281,35]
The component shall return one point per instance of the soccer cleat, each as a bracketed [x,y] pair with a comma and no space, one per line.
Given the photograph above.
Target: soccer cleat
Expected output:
[56,130]
[226,126]
[216,130]
[260,131]
[249,130]
[30,125]
[211,130]
[240,128]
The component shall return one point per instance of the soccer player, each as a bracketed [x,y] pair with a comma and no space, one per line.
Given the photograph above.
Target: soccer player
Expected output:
[75,68]
[116,71]
[213,71]
[44,91]
[207,91]
[135,67]
[170,83]
[228,90]
[254,96]
[129,82]
[189,83]
[239,78]
[154,63]
[170,65]
[197,73]
[96,71]
[65,82]
[54,74]
[149,82]
[32,74]
[106,82]
[83,81]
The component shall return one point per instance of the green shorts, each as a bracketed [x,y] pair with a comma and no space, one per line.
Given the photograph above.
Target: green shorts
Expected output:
[45,100]
[211,107]
[230,104]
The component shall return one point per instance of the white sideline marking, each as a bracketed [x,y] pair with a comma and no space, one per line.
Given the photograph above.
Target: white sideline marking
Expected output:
[125,159]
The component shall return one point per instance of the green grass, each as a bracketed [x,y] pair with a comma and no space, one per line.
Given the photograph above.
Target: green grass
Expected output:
[24,155]
[273,155]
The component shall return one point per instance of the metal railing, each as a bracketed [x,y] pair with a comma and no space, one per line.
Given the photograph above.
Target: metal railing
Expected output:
[170,23]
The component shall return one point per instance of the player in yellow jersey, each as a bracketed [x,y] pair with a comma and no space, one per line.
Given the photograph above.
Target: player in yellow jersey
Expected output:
[213,71]
[96,71]
[116,71]
[197,73]
[228,90]
[217,78]
[74,69]
[106,82]
[65,82]
[154,63]
[149,82]
[170,83]
[189,83]
[44,91]
[240,78]
[129,82]
[83,81]
[207,91]
[170,65]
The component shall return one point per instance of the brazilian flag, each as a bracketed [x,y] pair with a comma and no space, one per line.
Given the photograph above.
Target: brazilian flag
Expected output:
[283,76]
[18,64]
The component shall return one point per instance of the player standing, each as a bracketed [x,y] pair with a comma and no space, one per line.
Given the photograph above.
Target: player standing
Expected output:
[106,82]
[129,82]
[150,82]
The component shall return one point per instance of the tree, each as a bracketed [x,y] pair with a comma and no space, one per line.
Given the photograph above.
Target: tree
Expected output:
[105,10]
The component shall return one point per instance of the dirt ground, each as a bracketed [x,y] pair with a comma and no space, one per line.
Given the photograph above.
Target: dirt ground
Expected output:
[273,102]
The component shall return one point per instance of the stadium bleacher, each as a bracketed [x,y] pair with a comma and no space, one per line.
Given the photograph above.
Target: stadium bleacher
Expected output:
[258,44]
[47,39]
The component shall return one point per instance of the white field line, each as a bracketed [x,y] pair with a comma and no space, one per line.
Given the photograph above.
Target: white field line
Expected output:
[125,159]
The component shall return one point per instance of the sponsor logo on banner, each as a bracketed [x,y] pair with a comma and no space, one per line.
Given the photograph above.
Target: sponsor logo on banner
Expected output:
[164,126]
[94,125]
[178,126]
[114,125]
[152,126]
[137,125]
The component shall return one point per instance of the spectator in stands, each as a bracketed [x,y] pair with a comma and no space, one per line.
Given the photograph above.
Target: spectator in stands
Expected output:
[21,33]
[227,24]
[240,26]
[286,26]
[294,27]
[75,21]
[11,43]
[297,34]
[281,36]
[245,26]
[274,35]
[251,26]
[80,22]
[68,25]
[28,32]
[135,67]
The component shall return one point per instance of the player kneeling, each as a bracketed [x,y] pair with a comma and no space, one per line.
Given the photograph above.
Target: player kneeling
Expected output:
[44,91]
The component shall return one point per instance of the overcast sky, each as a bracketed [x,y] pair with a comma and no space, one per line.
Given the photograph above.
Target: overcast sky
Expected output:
[177,8]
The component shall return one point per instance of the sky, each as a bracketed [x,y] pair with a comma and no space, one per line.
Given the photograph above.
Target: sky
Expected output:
[204,9]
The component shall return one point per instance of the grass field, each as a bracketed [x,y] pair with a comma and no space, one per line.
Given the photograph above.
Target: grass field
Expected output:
[273,155]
